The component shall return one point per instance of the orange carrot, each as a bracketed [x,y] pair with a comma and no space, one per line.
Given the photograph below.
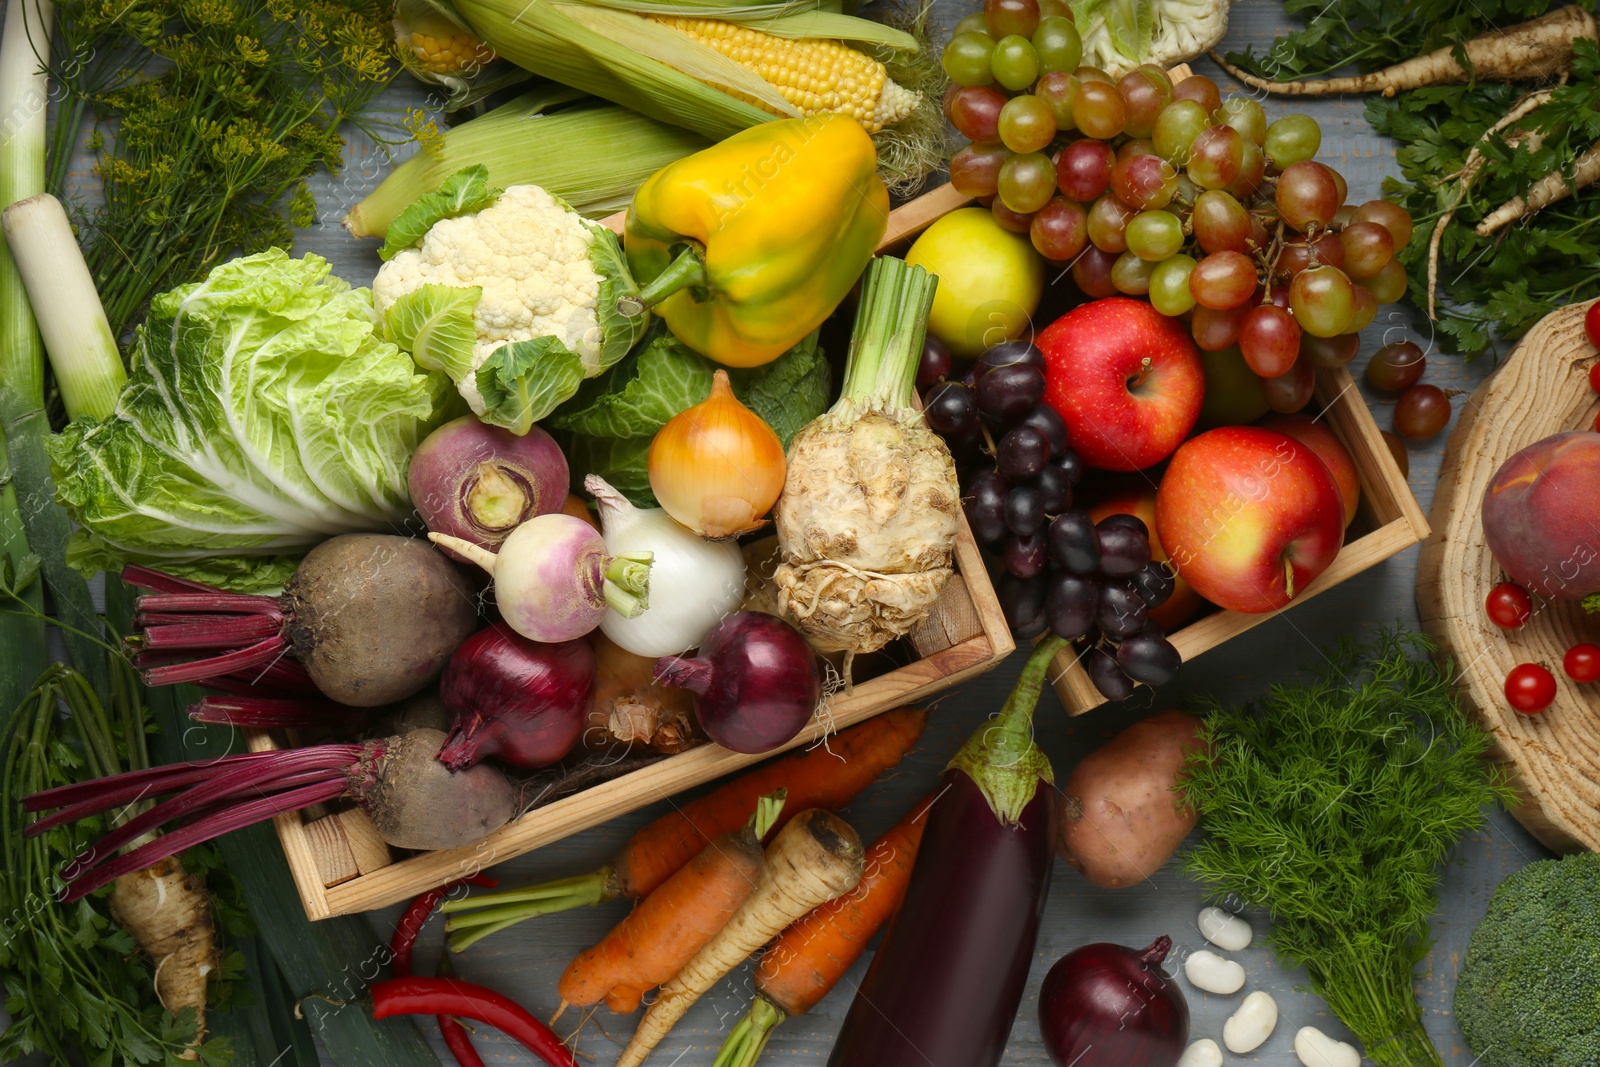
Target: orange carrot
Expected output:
[826,776]
[673,923]
[813,953]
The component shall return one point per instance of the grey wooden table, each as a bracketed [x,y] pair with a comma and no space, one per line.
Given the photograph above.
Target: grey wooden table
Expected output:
[526,961]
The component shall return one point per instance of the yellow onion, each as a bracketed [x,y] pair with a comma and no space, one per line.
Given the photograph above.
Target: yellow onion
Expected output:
[717,468]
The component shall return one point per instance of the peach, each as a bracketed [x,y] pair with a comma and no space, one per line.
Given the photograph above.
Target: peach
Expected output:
[1541,516]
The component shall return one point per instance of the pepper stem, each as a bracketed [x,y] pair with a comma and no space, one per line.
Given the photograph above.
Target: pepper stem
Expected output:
[1001,757]
[749,1037]
[688,271]
[627,583]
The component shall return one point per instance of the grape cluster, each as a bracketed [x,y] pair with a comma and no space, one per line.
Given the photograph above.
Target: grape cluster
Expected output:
[1087,582]
[1147,188]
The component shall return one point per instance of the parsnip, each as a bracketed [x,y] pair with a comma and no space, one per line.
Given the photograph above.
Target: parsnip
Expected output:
[1544,192]
[167,911]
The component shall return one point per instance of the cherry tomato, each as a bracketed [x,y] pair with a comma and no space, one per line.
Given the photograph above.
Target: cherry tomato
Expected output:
[1591,326]
[1582,663]
[1530,688]
[1594,371]
[1508,605]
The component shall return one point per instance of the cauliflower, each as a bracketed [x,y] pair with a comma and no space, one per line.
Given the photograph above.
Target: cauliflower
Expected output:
[511,294]
[1119,35]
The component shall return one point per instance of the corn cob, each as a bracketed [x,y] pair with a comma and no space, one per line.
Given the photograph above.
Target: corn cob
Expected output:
[458,54]
[814,76]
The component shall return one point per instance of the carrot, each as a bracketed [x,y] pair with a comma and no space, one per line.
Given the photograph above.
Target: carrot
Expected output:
[1527,51]
[809,958]
[665,931]
[1544,192]
[812,860]
[825,776]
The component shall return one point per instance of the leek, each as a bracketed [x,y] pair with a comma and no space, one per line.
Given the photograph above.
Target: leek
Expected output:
[591,154]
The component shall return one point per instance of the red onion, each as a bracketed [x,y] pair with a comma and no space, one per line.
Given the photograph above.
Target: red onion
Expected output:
[1108,1006]
[755,681]
[517,700]
[480,482]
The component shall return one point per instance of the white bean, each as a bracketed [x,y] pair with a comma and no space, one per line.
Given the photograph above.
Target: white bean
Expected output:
[1203,1053]
[1251,1024]
[1317,1049]
[1212,973]
[1227,932]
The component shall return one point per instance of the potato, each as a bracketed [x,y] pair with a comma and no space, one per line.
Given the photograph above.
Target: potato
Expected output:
[1120,819]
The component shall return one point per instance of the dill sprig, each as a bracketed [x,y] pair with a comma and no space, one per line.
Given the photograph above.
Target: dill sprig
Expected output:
[206,118]
[1332,805]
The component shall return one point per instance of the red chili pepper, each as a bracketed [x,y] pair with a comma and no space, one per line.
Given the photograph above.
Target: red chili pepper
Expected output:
[416,915]
[459,1042]
[447,996]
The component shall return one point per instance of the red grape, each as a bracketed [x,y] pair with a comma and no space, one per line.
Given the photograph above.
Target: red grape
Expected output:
[1323,301]
[1087,73]
[1223,280]
[1252,169]
[1397,366]
[1391,217]
[1135,146]
[1247,116]
[1108,224]
[974,111]
[1084,170]
[1215,330]
[975,169]
[1201,89]
[1144,181]
[1091,272]
[1290,392]
[1146,91]
[1058,90]
[1269,340]
[1131,275]
[1508,606]
[1582,663]
[1330,353]
[1421,412]
[1099,111]
[1014,221]
[1215,157]
[1389,284]
[1307,196]
[1060,229]
[1530,688]
[1367,247]
[1220,222]
[1366,309]
[1006,17]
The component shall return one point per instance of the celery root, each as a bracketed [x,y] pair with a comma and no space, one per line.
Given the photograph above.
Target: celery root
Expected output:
[1527,51]
[1544,192]
[168,913]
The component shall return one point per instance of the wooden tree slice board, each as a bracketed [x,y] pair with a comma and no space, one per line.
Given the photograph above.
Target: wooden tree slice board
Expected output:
[1542,389]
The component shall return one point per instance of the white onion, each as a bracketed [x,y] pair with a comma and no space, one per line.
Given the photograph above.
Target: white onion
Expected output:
[693,582]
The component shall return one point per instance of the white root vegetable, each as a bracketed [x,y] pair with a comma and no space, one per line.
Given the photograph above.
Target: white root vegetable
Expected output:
[1252,1024]
[1316,1049]
[815,858]
[1528,51]
[1225,930]
[1203,1053]
[168,913]
[1213,973]
[1544,192]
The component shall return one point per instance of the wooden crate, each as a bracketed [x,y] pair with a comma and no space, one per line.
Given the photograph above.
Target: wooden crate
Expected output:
[1390,516]
[340,865]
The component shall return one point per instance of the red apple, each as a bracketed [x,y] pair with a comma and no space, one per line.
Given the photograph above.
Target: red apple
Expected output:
[1181,606]
[1320,438]
[1125,378]
[1249,516]
[1540,516]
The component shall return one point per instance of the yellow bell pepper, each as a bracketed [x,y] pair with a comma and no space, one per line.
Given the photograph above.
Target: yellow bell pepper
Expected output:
[744,248]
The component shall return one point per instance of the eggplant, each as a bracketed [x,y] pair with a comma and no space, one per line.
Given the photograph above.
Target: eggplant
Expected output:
[944,986]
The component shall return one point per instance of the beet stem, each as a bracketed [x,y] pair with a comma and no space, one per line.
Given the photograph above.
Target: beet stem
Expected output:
[257,655]
[211,603]
[130,785]
[218,633]
[201,831]
[270,713]
[157,582]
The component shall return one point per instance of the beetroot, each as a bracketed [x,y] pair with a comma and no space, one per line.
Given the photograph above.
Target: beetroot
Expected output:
[520,701]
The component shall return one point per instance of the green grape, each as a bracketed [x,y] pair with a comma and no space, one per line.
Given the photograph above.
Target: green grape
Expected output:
[1389,284]
[1169,285]
[974,23]
[1026,124]
[1014,63]
[1055,9]
[1292,139]
[1087,73]
[1027,182]
[1058,89]
[1154,235]
[1057,44]
[967,58]
[1246,116]
[1131,275]
[1179,123]
[1323,301]
[1098,109]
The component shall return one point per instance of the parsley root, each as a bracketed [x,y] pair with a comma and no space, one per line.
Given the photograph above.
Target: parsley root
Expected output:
[168,912]
[1544,192]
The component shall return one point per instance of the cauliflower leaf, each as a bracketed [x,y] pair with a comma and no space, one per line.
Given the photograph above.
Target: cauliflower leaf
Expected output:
[463,193]
[434,323]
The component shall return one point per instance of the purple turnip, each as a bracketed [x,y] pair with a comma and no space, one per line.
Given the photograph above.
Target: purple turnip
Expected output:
[553,580]
[517,700]
[372,617]
[755,680]
[414,801]
[480,482]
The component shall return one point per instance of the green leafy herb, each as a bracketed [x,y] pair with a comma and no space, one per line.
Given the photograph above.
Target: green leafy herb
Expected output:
[463,193]
[1332,804]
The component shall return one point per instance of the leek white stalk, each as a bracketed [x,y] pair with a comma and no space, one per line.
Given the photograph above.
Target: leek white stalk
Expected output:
[77,337]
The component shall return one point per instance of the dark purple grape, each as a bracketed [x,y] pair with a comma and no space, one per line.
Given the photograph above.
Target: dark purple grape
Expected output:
[1022,453]
[1005,354]
[1073,543]
[951,409]
[1070,605]
[985,505]
[1046,420]
[1025,556]
[1071,465]
[1149,659]
[936,362]
[1132,522]
[1022,603]
[967,448]
[1054,491]
[1123,550]
[1122,613]
[1106,675]
[1155,583]
[1024,510]
[1010,390]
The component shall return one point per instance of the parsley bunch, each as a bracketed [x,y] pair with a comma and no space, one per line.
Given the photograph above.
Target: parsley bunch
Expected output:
[1332,804]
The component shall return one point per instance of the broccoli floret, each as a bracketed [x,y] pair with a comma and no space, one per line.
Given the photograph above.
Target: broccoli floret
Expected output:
[1528,994]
